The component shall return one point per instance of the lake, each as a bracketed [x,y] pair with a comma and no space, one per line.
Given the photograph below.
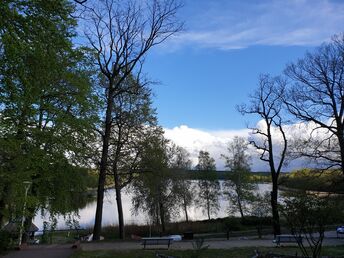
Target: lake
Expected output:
[86,214]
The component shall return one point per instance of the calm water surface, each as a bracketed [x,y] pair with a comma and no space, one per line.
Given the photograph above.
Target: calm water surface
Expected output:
[86,215]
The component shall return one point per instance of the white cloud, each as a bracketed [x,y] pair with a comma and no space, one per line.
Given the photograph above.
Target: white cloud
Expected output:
[232,25]
[215,142]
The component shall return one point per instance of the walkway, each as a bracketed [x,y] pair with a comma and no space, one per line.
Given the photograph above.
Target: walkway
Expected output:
[64,251]
[43,251]
[330,240]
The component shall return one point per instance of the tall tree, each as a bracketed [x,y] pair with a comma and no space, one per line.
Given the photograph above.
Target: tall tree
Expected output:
[184,190]
[121,33]
[269,139]
[153,188]
[46,103]
[315,95]
[239,186]
[133,114]
[209,186]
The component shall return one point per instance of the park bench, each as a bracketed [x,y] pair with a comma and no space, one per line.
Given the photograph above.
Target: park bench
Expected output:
[287,239]
[155,241]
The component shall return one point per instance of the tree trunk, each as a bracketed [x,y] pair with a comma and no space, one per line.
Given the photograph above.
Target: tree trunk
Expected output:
[240,207]
[162,217]
[2,209]
[103,167]
[340,138]
[186,212]
[208,209]
[119,207]
[274,206]
[27,224]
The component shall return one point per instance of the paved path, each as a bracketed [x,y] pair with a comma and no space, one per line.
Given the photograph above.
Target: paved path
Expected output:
[330,239]
[64,251]
[43,251]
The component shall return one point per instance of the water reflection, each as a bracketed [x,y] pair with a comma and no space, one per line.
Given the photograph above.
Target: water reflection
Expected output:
[86,214]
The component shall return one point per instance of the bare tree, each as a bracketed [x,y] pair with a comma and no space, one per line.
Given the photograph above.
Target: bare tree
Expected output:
[315,96]
[121,33]
[266,103]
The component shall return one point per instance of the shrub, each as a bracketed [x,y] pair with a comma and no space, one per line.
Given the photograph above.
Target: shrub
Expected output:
[5,240]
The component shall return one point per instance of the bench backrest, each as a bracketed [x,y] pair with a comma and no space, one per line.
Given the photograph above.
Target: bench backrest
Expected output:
[157,241]
[288,238]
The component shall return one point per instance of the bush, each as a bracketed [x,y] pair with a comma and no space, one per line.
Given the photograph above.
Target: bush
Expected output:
[5,241]
[232,224]
[254,221]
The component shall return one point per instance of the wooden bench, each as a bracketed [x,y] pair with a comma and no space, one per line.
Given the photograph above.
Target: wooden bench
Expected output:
[155,241]
[287,239]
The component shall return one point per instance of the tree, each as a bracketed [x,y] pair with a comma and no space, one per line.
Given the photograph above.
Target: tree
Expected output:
[182,187]
[152,188]
[46,106]
[307,216]
[133,115]
[266,102]
[315,96]
[261,208]
[209,186]
[121,34]
[238,186]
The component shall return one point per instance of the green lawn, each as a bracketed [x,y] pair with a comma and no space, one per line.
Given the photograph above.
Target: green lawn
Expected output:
[210,253]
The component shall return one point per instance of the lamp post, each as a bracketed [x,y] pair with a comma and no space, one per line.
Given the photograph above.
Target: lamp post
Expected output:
[27,185]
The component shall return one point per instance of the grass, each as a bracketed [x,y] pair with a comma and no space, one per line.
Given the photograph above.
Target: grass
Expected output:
[209,253]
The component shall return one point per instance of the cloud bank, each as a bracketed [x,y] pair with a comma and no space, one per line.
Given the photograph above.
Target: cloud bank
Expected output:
[239,24]
[216,142]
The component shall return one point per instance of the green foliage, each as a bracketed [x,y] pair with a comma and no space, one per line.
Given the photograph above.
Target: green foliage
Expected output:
[6,241]
[205,162]
[209,186]
[182,187]
[238,187]
[152,188]
[307,215]
[314,180]
[47,108]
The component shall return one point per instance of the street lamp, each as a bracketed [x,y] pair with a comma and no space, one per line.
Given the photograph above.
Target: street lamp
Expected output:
[27,185]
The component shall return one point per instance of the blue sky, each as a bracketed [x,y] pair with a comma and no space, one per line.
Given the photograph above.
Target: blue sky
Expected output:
[214,64]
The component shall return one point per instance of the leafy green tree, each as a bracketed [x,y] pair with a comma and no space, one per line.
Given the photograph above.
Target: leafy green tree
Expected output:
[209,186]
[307,216]
[46,106]
[184,190]
[152,188]
[238,187]
[261,209]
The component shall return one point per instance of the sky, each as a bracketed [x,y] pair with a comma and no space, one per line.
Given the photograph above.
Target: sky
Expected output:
[214,64]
